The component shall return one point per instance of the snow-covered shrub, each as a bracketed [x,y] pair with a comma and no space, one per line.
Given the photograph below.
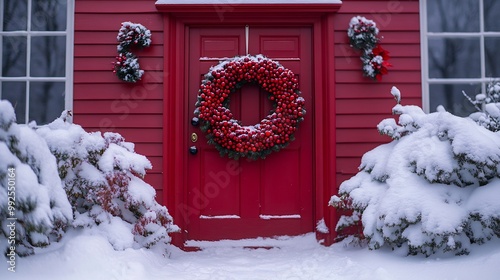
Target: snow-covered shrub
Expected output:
[103,176]
[434,188]
[488,107]
[34,209]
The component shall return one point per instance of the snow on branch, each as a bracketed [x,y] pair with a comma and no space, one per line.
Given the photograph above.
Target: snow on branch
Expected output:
[103,177]
[58,176]
[434,188]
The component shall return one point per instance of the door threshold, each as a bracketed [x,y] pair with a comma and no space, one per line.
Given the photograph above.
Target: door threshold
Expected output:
[249,243]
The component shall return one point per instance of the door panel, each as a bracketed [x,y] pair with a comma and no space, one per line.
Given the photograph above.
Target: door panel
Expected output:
[231,199]
[218,46]
[221,199]
[280,187]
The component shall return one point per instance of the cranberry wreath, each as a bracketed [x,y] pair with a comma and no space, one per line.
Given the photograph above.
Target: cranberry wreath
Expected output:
[227,134]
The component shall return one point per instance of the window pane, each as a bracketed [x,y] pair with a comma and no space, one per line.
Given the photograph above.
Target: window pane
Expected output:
[453,16]
[491,15]
[48,56]
[48,15]
[454,58]
[46,101]
[14,56]
[15,15]
[492,45]
[15,93]
[451,98]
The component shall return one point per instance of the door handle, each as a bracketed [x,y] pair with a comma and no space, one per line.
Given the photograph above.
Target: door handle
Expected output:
[193,150]
[195,121]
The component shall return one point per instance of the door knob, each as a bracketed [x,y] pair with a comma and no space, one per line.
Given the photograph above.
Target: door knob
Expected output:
[193,150]
[195,121]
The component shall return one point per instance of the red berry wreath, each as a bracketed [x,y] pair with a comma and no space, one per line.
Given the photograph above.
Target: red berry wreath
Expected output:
[274,132]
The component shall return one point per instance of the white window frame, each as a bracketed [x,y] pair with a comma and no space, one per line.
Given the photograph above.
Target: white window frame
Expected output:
[67,79]
[425,35]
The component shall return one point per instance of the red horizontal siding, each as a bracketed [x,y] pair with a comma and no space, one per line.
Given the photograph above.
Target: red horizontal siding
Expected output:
[117,107]
[361,121]
[390,37]
[110,51]
[118,90]
[343,177]
[360,102]
[92,77]
[348,165]
[377,90]
[159,192]
[394,77]
[391,22]
[112,21]
[156,161]
[105,64]
[363,135]
[103,102]
[399,64]
[138,135]
[369,106]
[343,50]
[353,149]
[149,149]
[115,6]
[106,122]
[108,38]
[154,179]
[381,7]
[122,121]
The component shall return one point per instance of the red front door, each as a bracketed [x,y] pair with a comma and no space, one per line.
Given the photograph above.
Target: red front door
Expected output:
[233,199]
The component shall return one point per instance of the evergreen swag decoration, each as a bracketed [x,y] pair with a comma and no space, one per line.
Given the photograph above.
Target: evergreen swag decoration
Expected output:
[130,36]
[227,134]
[363,34]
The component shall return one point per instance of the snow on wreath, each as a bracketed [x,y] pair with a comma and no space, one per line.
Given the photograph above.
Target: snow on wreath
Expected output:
[363,34]
[274,132]
[131,36]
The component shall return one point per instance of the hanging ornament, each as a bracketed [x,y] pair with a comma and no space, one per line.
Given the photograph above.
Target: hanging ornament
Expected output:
[362,35]
[130,36]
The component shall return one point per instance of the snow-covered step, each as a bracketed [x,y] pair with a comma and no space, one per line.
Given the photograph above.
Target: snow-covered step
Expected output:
[269,217]
[259,242]
[220,217]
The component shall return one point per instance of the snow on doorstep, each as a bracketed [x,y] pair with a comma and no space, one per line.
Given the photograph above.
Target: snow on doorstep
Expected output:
[278,241]
[220,217]
[233,2]
[268,217]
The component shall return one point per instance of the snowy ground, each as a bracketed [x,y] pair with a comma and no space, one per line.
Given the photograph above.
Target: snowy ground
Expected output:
[88,255]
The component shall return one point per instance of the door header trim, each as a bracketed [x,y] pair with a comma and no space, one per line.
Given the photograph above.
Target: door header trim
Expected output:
[225,9]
